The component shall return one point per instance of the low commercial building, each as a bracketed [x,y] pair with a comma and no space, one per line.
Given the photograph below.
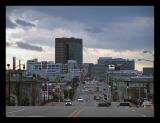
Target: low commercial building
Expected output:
[99,71]
[23,90]
[131,84]
[148,71]
[50,70]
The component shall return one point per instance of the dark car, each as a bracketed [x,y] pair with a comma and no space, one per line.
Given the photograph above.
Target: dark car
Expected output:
[104,103]
[124,104]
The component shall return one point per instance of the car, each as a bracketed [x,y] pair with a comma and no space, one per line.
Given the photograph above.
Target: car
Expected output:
[124,104]
[145,99]
[68,102]
[147,104]
[97,98]
[80,100]
[104,103]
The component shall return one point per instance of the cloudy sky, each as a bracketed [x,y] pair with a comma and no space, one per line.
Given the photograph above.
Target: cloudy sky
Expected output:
[107,31]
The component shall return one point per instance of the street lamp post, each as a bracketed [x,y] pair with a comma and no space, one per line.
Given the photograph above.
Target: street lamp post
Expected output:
[68,88]
[109,88]
[8,65]
[127,92]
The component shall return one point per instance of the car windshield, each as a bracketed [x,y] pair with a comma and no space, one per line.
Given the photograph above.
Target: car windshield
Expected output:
[68,100]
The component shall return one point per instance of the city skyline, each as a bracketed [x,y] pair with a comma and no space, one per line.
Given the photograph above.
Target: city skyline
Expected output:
[107,31]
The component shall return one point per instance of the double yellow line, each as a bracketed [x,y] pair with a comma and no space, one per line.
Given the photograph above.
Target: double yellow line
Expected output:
[76,112]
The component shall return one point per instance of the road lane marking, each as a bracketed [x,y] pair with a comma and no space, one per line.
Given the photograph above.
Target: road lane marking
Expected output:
[32,116]
[133,110]
[75,115]
[16,111]
[10,116]
[143,115]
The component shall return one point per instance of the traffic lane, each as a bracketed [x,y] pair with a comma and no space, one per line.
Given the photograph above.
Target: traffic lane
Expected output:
[45,111]
[82,111]
[13,109]
[110,112]
[60,110]
[145,112]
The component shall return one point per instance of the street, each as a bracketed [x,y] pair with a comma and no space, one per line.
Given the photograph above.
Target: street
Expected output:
[87,108]
[78,109]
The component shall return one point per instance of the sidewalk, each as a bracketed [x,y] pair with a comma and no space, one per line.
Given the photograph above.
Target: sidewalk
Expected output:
[50,104]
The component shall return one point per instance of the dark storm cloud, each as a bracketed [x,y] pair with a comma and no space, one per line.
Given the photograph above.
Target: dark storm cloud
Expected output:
[9,23]
[94,30]
[24,23]
[118,28]
[42,40]
[29,46]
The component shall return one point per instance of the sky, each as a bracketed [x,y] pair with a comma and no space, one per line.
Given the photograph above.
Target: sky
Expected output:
[107,31]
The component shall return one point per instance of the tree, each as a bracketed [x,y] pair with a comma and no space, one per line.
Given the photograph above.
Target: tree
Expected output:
[56,80]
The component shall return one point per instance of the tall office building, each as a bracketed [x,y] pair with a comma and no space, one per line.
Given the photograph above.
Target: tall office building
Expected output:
[68,49]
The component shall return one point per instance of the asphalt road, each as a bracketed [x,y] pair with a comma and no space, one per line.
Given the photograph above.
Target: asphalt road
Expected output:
[88,108]
[78,109]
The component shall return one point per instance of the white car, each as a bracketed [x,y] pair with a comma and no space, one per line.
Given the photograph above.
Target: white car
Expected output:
[147,104]
[80,100]
[68,102]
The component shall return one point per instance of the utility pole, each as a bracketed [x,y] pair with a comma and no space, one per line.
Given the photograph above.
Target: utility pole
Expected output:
[8,65]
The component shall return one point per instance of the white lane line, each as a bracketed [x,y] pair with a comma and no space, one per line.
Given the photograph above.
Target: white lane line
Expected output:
[10,116]
[16,111]
[133,110]
[143,115]
[32,116]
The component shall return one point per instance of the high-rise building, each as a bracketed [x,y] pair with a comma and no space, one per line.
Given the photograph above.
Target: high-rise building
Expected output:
[124,63]
[68,49]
